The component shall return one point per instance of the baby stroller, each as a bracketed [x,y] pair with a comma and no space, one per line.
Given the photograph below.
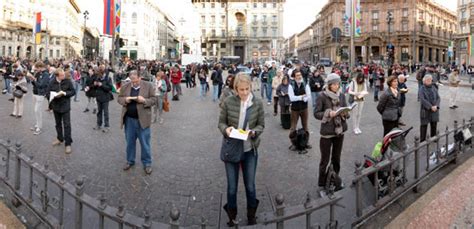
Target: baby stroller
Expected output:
[393,144]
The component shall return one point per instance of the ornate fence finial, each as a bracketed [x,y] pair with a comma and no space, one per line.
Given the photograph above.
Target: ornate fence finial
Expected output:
[18,147]
[121,209]
[102,202]
[80,186]
[307,203]
[203,222]
[358,167]
[62,179]
[147,221]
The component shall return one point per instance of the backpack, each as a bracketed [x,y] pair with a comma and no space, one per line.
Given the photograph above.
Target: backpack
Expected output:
[299,139]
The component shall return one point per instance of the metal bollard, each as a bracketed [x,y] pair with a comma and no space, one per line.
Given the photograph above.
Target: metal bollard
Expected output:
[120,213]
[61,182]
[307,205]
[79,191]
[280,209]
[174,215]
[102,206]
[203,223]
[7,167]
[18,166]
[358,189]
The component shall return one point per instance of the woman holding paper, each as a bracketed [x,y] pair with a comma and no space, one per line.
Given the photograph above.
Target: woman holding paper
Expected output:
[389,105]
[242,115]
[358,89]
[333,126]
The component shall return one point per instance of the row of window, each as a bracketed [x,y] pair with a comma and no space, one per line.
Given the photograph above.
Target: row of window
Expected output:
[9,52]
[239,32]
[222,21]
[255,5]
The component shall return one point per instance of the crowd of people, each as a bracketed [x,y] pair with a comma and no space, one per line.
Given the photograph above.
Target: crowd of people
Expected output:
[144,87]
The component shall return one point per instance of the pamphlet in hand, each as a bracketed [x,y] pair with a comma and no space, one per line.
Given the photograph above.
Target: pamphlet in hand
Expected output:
[53,95]
[239,134]
[346,109]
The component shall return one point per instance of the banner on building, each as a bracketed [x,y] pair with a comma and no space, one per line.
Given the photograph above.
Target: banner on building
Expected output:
[37,29]
[353,18]
[109,14]
[356,19]
[470,46]
[118,11]
[347,18]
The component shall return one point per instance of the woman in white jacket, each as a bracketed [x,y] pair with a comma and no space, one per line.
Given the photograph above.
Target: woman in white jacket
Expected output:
[20,87]
[358,89]
[275,83]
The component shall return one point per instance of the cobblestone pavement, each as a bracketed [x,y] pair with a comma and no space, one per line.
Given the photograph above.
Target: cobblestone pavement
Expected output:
[187,171]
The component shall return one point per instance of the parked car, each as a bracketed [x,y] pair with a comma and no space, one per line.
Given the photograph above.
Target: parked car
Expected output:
[326,62]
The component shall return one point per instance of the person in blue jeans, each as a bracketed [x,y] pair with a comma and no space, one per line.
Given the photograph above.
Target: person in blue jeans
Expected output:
[266,86]
[232,116]
[203,82]
[137,98]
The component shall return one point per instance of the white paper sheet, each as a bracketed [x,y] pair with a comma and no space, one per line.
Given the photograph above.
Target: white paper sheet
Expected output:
[239,134]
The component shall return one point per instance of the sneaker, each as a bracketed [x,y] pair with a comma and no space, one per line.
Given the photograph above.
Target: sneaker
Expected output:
[97,128]
[148,170]
[359,131]
[94,111]
[308,146]
[57,142]
[37,131]
[455,106]
[105,130]
[452,107]
[86,110]
[12,115]
[68,150]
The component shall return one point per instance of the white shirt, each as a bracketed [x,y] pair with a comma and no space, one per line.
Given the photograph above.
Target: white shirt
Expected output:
[295,98]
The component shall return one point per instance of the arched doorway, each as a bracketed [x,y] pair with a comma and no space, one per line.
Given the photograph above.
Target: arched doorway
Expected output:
[40,56]
[18,50]
[28,52]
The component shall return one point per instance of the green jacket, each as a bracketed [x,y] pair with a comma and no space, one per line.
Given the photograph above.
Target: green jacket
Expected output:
[229,116]
[271,73]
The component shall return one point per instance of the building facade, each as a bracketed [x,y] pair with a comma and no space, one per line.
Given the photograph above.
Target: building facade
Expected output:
[60,29]
[419,31]
[251,29]
[465,18]
[147,31]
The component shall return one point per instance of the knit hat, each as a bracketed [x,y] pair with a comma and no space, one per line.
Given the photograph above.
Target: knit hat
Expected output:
[333,78]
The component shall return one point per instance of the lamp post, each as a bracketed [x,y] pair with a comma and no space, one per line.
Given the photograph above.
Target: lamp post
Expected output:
[311,34]
[86,17]
[389,21]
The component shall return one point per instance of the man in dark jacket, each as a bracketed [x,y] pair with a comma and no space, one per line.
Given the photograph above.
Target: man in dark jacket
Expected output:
[40,83]
[103,94]
[90,89]
[429,111]
[59,94]
[316,83]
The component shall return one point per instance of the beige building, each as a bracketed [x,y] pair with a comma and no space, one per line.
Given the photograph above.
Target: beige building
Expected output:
[60,28]
[251,29]
[419,29]
[465,17]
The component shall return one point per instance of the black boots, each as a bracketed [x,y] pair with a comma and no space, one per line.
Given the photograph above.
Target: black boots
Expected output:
[231,213]
[251,219]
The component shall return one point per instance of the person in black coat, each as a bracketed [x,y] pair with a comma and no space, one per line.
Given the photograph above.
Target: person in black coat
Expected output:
[90,90]
[62,89]
[389,106]
[102,86]
[429,111]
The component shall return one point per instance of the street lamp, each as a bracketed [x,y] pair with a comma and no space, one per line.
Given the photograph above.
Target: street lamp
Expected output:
[86,17]
[311,34]
[389,21]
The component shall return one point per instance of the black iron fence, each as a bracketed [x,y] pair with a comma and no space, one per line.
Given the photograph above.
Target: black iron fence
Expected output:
[46,194]
[388,184]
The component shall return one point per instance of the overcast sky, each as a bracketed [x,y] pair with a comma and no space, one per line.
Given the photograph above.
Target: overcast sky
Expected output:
[297,13]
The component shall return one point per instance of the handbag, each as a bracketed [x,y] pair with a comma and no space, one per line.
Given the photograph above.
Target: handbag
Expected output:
[18,94]
[166,105]
[232,149]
